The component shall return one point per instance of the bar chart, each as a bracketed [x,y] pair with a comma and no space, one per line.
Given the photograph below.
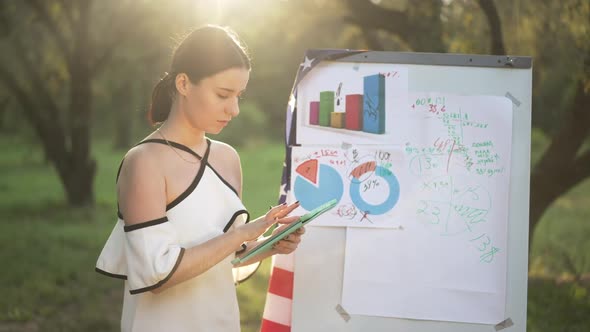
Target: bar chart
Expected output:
[362,112]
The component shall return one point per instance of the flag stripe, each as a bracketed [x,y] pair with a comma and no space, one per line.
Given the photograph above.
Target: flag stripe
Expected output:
[281,283]
[281,312]
[277,309]
[268,325]
[285,262]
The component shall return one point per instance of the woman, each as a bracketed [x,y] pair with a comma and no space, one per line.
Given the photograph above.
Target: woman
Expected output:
[181,219]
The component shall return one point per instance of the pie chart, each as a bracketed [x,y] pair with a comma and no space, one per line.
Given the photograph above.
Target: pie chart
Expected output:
[316,184]
[387,176]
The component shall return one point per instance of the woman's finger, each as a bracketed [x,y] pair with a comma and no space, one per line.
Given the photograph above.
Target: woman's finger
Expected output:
[292,238]
[275,210]
[288,220]
[286,210]
[284,246]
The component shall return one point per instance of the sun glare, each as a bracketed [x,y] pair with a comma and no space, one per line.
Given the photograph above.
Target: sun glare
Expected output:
[227,12]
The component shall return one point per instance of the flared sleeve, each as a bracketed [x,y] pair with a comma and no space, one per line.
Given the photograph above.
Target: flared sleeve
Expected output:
[151,254]
[111,261]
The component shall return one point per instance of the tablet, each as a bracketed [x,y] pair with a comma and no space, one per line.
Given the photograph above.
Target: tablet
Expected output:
[286,230]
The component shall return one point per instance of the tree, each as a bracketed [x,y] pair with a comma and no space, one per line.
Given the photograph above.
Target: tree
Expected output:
[565,163]
[55,51]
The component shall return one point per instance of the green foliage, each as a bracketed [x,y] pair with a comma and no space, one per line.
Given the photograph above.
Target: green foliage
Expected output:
[261,167]
[567,219]
[548,31]
[250,126]
[539,143]
[557,307]
[51,279]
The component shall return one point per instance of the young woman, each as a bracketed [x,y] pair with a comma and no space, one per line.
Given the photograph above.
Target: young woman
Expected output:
[181,218]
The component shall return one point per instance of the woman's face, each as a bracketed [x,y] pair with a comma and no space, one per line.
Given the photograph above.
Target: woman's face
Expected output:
[213,102]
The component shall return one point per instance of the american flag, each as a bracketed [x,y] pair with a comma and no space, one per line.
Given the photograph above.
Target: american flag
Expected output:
[279,298]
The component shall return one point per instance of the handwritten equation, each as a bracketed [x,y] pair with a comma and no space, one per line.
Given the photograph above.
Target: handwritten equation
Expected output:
[452,211]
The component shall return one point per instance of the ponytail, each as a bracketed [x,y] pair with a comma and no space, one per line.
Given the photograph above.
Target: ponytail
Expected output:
[162,98]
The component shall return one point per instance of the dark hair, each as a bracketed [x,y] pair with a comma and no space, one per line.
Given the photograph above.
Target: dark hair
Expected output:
[203,52]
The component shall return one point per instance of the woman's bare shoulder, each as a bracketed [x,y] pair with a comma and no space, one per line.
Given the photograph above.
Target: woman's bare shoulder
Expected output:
[142,158]
[224,151]
[226,160]
[141,186]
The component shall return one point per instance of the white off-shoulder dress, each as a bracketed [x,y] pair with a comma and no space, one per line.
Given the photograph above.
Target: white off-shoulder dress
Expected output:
[146,255]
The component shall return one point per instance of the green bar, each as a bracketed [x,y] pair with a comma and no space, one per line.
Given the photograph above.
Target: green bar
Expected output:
[326,107]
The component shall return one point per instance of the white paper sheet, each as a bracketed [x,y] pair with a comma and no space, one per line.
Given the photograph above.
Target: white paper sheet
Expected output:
[447,261]
[369,184]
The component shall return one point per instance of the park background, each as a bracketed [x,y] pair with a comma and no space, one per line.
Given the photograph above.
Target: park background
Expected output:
[75,82]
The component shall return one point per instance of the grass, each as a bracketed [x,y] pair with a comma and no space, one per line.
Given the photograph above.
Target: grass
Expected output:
[49,250]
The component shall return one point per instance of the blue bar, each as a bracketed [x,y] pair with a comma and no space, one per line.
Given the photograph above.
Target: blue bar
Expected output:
[374,104]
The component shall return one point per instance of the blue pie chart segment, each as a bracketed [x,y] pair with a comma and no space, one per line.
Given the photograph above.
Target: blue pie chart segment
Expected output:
[329,187]
[387,205]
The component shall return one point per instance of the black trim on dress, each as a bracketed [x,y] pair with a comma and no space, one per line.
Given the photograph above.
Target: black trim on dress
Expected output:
[119,170]
[244,247]
[161,282]
[195,182]
[129,228]
[156,140]
[233,219]
[112,275]
[174,144]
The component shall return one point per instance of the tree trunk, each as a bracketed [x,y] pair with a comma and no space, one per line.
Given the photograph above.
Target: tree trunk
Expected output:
[3,113]
[64,134]
[78,176]
[491,13]
[79,184]
[561,167]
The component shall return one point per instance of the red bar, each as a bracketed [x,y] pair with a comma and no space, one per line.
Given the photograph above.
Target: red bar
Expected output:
[281,283]
[270,326]
[314,113]
[354,114]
